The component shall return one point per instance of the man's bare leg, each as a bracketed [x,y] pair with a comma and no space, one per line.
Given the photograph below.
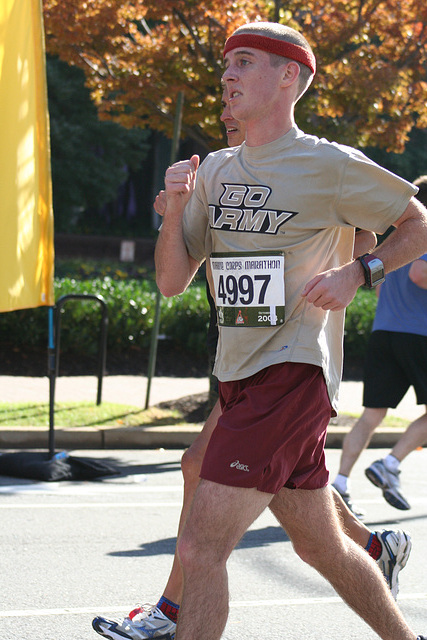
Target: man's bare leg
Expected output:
[219,517]
[311,522]
[359,437]
[414,436]
[384,473]
[190,464]
[351,525]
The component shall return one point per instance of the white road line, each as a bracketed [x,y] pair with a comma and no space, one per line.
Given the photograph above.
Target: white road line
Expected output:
[90,505]
[26,613]
[319,600]
[87,489]
[132,484]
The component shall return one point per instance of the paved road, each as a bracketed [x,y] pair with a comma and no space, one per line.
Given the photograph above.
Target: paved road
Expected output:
[72,550]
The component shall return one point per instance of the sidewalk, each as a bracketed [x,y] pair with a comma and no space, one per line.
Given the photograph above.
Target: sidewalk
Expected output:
[131,390]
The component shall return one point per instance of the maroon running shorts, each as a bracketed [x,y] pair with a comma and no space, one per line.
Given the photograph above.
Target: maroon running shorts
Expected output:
[272,430]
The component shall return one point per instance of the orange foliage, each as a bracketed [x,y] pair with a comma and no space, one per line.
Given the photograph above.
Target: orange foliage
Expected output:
[137,55]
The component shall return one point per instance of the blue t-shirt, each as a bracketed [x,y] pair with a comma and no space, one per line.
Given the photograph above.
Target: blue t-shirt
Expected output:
[402,305]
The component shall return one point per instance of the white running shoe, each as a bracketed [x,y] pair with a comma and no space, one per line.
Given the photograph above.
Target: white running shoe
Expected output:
[141,623]
[396,547]
[389,482]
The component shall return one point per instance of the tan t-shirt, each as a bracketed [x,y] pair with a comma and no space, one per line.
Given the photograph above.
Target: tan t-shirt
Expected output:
[299,196]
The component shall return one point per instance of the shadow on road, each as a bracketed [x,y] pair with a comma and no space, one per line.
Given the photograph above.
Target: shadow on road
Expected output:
[253,538]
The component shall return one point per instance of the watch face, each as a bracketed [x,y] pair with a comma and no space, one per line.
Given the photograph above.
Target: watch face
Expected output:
[376,269]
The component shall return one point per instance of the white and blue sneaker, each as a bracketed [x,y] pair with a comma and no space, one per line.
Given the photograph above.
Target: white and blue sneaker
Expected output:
[143,623]
[396,547]
[389,482]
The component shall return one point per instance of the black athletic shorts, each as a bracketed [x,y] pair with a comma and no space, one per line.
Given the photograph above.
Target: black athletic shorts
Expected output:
[394,362]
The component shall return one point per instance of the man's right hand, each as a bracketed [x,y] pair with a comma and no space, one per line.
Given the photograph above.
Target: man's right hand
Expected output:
[180,180]
[175,268]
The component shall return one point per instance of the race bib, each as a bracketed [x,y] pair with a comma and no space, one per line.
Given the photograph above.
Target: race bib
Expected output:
[249,288]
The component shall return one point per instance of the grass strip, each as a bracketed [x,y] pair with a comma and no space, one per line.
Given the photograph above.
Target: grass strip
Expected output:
[85,414]
[389,422]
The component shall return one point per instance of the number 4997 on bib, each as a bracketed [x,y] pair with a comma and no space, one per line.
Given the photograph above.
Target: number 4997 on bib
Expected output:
[249,288]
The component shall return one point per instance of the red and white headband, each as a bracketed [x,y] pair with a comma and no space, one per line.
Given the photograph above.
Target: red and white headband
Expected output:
[271,45]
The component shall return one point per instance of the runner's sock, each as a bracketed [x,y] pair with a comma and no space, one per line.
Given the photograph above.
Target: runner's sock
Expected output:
[341,483]
[374,546]
[391,463]
[169,608]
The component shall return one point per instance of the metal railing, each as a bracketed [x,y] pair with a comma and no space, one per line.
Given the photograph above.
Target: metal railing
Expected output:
[54,352]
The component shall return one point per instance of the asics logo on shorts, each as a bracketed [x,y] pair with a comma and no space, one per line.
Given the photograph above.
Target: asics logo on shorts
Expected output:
[238,465]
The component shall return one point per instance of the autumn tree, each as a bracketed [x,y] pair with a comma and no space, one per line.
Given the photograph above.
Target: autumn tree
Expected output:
[370,88]
[372,80]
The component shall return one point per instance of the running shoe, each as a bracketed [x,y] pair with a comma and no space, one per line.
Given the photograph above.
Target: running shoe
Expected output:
[141,623]
[389,482]
[357,511]
[396,547]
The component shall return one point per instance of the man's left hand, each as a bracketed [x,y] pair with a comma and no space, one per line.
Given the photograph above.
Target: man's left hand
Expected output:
[333,290]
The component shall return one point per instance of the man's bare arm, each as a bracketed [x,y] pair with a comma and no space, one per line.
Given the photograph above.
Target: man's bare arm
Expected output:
[364,241]
[418,273]
[408,241]
[174,267]
[335,289]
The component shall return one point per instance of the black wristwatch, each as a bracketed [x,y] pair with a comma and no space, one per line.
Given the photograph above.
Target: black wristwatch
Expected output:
[373,268]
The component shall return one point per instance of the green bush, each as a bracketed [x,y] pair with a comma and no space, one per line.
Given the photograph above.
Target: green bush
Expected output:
[358,323]
[131,304]
[131,311]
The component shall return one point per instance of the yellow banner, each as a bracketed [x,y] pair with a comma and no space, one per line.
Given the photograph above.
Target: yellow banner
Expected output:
[26,217]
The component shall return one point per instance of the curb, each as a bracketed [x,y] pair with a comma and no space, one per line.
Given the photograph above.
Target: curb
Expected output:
[149,437]
[382,438]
